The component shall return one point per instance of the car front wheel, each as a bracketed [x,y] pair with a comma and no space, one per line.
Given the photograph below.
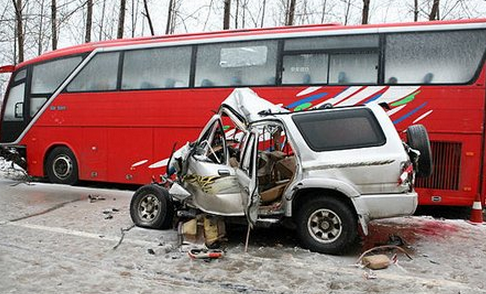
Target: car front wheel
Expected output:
[326,225]
[152,207]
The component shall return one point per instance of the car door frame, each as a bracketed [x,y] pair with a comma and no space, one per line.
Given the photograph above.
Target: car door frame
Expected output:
[247,178]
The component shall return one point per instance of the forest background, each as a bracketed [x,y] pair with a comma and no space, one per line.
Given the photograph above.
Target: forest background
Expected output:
[29,28]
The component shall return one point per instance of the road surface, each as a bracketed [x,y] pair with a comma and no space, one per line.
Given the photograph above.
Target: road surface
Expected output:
[54,239]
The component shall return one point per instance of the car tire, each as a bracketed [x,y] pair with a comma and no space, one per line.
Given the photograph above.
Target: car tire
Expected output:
[326,225]
[417,138]
[152,207]
[61,166]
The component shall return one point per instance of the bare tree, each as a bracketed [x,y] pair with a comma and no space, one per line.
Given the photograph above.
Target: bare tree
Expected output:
[366,11]
[415,10]
[170,27]
[54,24]
[244,8]
[237,13]
[346,13]
[290,13]
[226,14]
[134,16]
[324,10]
[434,12]
[19,29]
[264,6]
[121,19]
[40,34]
[147,15]
[89,21]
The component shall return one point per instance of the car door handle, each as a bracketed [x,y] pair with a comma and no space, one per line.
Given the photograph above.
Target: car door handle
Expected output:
[223,172]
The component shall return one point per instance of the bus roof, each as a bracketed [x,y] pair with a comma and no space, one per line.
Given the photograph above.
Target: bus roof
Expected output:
[269,31]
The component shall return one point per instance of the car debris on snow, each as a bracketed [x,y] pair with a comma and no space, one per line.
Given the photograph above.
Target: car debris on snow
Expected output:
[95,198]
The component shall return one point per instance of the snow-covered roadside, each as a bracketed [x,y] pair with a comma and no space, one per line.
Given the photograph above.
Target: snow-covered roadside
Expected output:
[9,171]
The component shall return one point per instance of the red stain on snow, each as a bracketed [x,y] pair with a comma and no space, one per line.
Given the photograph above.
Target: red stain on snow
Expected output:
[386,232]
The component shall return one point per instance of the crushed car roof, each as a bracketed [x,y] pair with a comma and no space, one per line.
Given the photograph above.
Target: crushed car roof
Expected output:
[249,107]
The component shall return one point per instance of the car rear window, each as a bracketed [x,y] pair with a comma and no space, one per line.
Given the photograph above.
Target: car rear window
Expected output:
[340,129]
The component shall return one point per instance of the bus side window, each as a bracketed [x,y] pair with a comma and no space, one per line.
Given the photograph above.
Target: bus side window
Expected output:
[434,57]
[100,74]
[341,60]
[236,64]
[353,68]
[305,69]
[156,68]
[46,77]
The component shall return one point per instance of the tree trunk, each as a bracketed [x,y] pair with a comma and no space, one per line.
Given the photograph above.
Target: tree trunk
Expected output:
[19,29]
[170,18]
[147,15]
[102,20]
[133,19]
[54,24]
[243,17]
[415,10]
[226,14]
[346,15]
[121,19]
[263,12]
[41,29]
[434,13]
[237,13]
[324,6]
[290,13]
[366,11]
[89,21]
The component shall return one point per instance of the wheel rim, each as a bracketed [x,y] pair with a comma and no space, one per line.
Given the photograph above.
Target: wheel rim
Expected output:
[63,167]
[149,208]
[324,226]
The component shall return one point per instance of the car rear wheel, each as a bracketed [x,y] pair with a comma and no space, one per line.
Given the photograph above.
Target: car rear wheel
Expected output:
[61,166]
[326,225]
[418,139]
[152,207]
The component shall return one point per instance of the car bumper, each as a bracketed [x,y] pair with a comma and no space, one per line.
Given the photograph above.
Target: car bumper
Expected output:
[386,205]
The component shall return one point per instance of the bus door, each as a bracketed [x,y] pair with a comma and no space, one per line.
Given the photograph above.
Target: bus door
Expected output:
[14,118]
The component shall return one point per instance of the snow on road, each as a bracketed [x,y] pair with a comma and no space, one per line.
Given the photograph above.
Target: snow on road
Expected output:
[53,239]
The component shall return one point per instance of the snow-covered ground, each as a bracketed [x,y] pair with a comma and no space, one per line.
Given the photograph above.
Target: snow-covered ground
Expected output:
[53,239]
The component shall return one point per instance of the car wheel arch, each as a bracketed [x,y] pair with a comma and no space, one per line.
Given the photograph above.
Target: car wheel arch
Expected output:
[300,196]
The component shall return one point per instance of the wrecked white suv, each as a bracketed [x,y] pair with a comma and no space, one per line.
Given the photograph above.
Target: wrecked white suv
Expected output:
[329,171]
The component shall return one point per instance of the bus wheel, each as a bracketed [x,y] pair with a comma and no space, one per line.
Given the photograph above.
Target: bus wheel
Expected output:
[61,166]
[417,138]
[152,207]
[326,225]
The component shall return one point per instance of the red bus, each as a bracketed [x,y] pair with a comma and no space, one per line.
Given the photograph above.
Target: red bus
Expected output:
[111,111]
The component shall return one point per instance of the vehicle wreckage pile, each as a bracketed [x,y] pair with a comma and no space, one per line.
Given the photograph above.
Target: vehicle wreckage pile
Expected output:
[326,172]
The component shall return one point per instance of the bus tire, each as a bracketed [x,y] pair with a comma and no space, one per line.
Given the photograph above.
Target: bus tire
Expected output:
[61,166]
[326,225]
[417,138]
[152,207]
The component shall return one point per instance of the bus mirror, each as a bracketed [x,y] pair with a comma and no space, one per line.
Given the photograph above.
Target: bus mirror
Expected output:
[19,110]
[7,68]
